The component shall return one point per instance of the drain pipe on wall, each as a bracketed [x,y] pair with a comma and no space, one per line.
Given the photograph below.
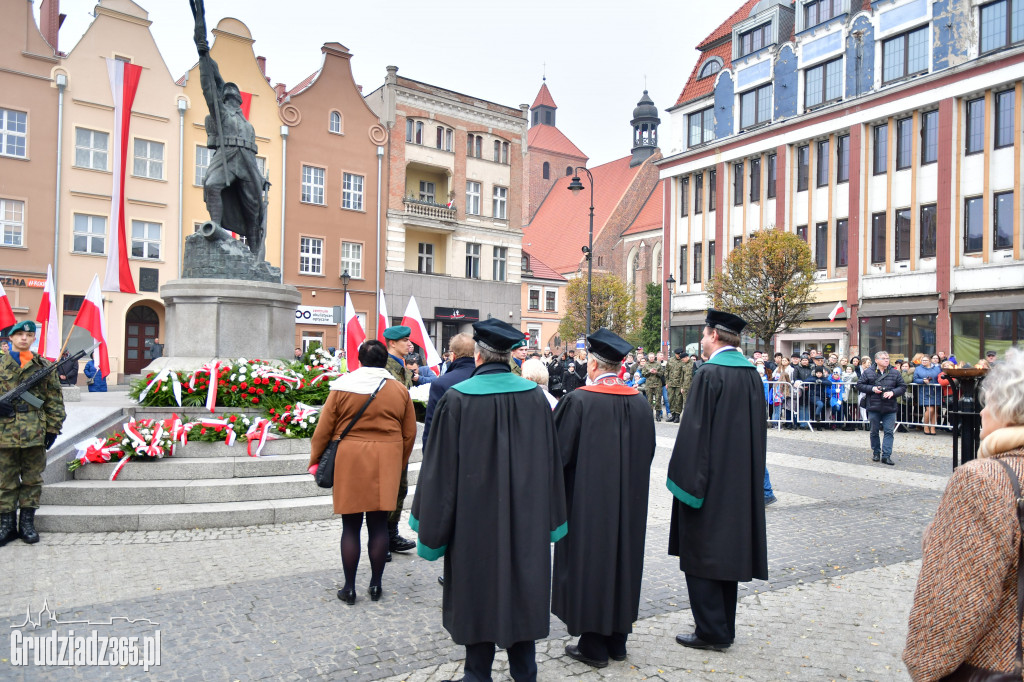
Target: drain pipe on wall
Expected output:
[284,189]
[62,83]
[380,160]
[182,106]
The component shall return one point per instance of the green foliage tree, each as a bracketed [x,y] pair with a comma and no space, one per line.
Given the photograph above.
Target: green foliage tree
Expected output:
[768,281]
[613,307]
[650,330]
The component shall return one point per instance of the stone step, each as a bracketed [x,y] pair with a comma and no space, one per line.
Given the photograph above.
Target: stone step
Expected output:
[160,492]
[195,468]
[284,446]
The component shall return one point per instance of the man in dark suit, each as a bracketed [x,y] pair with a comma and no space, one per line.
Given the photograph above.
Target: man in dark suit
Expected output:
[459,369]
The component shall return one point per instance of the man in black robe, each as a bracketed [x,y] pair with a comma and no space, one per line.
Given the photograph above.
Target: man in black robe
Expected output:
[490,499]
[606,440]
[717,477]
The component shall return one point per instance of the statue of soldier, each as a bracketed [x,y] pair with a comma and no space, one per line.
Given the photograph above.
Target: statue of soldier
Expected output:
[674,381]
[233,188]
[654,373]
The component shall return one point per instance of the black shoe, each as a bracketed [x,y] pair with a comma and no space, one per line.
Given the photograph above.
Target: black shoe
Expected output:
[573,652]
[657,417]
[347,595]
[770,500]
[387,557]
[396,542]
[375,592]
[26,526]
[8,527]
[887,460]
[694,642]
[440,580]
[875,457]
[617,657]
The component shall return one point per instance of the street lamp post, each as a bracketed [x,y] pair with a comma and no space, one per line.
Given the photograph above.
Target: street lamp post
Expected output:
[345,277]
[670,285]
[575,186]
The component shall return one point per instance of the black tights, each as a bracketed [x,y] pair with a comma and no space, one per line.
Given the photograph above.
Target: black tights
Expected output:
[376,545]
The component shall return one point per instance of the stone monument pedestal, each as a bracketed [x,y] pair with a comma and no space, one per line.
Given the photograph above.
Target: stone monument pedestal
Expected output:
[208,319]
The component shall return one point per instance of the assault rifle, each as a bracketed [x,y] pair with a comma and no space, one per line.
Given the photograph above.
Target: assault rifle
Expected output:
[20,392]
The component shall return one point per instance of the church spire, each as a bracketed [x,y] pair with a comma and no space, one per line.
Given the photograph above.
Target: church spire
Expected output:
[645,130]
[543,110]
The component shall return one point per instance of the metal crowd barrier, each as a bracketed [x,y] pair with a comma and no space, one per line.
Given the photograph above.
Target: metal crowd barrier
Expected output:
[812,405]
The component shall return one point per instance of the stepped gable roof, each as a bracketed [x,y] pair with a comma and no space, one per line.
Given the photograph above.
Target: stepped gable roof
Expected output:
[551,139]
[542,270]
[544,98]
[651,216]
[715,45]
[559,228]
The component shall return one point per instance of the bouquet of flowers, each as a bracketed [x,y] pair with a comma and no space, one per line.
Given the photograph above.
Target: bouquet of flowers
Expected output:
[296,421]
[145,438]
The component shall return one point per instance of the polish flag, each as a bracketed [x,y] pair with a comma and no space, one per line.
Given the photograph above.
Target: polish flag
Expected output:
[7,318]
[419,335]
[90,318]
[49,336]
[354,335]
[382,318]
[835,311]
[124,81]
[246,103]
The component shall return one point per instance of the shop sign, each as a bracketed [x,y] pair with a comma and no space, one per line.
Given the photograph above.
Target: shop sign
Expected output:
[15,281]
[458,314]
[308,314]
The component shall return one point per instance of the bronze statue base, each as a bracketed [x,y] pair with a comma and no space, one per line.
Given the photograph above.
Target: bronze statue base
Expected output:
[219,256]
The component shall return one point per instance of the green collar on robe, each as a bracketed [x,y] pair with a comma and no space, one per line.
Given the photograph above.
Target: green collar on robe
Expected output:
[730,358]
[489,384]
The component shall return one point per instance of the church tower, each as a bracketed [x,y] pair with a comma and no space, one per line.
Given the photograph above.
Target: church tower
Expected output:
[645,130]
[550,154]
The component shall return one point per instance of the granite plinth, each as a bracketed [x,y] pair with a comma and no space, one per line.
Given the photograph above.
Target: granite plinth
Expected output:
[226,318]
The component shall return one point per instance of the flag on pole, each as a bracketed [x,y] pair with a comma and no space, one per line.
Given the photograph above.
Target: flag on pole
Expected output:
[354,335]
[124,81]
[90,318]
[49,323]
[835,311]
[246,103]
[7,318]
[382,318]
[419,335]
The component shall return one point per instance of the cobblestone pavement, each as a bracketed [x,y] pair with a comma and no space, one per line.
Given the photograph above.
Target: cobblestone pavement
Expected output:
[259,603]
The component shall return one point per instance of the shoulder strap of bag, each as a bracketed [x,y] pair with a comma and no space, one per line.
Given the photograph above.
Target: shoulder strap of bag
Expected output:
[1019,504]
[362,409]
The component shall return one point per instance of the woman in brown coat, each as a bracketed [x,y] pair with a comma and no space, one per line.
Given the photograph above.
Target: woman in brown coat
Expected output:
[370,459]
[965,606]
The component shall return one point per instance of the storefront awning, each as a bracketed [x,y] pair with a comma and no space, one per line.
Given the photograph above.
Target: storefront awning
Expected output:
[983,303]
[877,308]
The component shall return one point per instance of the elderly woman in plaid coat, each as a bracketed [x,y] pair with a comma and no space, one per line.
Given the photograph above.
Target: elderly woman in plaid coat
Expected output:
[965,606]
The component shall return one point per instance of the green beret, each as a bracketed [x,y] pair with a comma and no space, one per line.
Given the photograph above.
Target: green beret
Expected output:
[519,345]
[26,326]
[397,332]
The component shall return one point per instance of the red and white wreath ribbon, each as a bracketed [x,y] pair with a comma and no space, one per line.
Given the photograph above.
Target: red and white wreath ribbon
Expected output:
[157,382]
[229,438]
[294,382]
[95,450]
[259,433]
[325,375]
[150,448]
[213,369]
[303,411]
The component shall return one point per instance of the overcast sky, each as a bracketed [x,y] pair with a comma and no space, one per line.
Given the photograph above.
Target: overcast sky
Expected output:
[596,54]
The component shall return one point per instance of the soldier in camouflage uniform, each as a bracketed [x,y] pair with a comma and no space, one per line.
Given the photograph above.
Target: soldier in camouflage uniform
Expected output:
[674,375]
[688,369]
[399,345]
[517,357]
[27,429]
[654,374]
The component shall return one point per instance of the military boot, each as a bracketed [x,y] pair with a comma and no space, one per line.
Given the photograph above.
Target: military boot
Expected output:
[657,416]
[8,527]
[26,526]
[675,418]
[396,543]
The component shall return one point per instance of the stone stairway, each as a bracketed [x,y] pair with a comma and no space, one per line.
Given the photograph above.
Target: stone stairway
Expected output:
[204,485]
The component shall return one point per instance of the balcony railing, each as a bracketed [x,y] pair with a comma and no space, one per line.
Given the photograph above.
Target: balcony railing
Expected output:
[428,209]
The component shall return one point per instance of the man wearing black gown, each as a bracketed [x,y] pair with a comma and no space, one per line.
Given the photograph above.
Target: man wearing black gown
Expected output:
[490,499]
[716,475]
[606,439]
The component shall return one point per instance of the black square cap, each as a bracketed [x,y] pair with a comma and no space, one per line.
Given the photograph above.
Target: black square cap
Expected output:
[497,336]
[608,346]
[727,322]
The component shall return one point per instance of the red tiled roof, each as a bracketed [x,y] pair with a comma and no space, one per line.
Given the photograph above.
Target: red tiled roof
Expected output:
[541,270]
[651,216]
[695,89]
[544,98]
[550,138]
[726,28]
[559,228]
[303,84]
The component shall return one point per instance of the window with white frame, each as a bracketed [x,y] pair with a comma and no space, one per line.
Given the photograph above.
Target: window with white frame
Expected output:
[313,185]
[352,191]
[534,331]
[500,203]
[702,126]
[756,106]
[445,138]
[261,165]
[819,11]
[428,191]
[91,149]
[425,259]
[13,133]
[498,270]
[534,300]
[755,39]
[710,68]
[823,83]
[145,240]
[149,159]
[334,125]
[414,131]
[12,222]
[352,259]
[89,234]
[472,261]
[1002,24]
[311,256]
[551,300]
[203,156]
[472,198]
[905,55]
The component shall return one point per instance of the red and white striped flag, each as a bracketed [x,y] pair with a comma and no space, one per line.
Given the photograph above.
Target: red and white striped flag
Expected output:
[354,335]
[7,318]
[124,81]
[419,335]
[382,318]
[835,311]
[49,323]
[90,318]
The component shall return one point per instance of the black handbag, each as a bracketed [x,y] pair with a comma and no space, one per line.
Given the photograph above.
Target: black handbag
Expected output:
[325,472]
[970,673]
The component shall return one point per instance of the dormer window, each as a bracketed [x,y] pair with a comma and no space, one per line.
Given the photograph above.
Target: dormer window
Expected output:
[819,11]
[710,68]
[753,40]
